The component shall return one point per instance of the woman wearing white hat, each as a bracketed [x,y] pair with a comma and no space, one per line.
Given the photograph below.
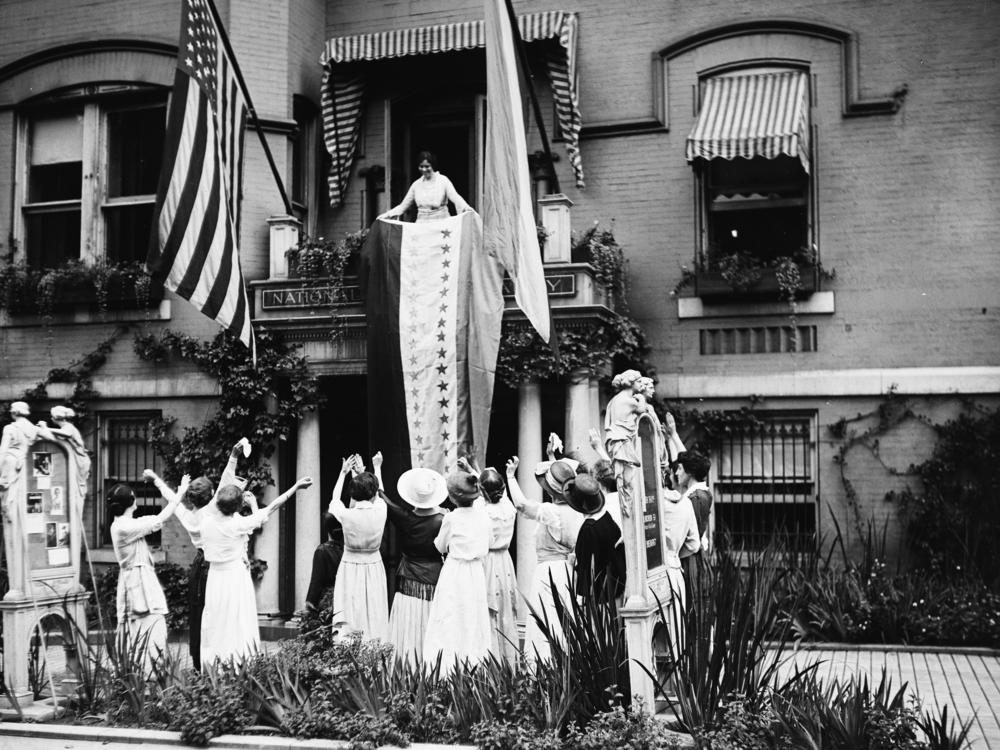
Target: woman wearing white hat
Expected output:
[555,540]
[417,523]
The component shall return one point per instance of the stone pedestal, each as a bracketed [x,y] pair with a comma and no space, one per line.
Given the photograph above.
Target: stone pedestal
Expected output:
[556,221]
[283,231]
[19,620]
[307,504]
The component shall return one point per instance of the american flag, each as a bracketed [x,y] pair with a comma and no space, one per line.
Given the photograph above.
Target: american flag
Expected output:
[196,221]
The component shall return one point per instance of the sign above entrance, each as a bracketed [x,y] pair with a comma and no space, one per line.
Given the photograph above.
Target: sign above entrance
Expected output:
[297,297]
[557,285]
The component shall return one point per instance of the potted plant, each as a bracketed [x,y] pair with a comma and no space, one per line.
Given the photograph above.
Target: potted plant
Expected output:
[743,276]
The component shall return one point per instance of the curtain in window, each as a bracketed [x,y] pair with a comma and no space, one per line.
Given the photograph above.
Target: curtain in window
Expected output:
[761,114]
[342,92]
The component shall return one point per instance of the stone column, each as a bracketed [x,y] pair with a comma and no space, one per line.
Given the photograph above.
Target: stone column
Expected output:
[267,548]
[579,413]
[307,504]
[283,231]
[556,220]
[595,405]
[530,451]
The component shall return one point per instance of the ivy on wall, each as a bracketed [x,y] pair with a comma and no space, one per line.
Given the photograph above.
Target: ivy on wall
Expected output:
[263,402]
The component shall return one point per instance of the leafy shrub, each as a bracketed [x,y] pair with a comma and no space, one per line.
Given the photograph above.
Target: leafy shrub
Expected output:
[618,728]
[203,705]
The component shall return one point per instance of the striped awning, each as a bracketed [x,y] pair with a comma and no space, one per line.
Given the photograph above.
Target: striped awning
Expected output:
[761,114]
[343,88]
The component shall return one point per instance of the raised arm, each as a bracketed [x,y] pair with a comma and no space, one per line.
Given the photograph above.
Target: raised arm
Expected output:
[598,444]
[300,484]
[140,527]
[530,508]
[377,469]
[336,507]
[674,443]
[168,494]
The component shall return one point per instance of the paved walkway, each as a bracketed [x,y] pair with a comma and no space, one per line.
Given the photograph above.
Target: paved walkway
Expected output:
[967,681]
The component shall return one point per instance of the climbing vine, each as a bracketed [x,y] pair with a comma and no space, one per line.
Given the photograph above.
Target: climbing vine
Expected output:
[80,374]
[261,401]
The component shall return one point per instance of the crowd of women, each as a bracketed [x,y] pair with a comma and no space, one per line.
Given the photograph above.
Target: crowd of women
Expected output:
[456,596]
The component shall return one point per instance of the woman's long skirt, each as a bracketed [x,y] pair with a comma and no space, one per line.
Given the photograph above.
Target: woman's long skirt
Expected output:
[542,600]
[501,598]
[229,621]
[459,624]
[144,637]
[411,609]
[360,597]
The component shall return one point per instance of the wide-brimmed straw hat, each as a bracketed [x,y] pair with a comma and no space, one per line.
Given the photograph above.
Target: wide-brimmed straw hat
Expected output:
[554,475]
[422,488]
[583,494]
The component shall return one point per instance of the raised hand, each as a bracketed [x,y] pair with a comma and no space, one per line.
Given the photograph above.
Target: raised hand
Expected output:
[303,482]
[512,466]
[377,460]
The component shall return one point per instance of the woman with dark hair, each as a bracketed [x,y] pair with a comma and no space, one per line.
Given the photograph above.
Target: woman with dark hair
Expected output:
[326,561]
[417,522]
[140,602]
[229,622]
[360,595]
[501,580]
[691,474]
[458,628]
[431,193]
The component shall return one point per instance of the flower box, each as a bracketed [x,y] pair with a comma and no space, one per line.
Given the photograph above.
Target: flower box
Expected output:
[711,285]
[71,291]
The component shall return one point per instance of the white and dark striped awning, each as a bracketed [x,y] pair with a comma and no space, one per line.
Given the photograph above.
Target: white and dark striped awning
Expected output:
[745,116]
[343,87]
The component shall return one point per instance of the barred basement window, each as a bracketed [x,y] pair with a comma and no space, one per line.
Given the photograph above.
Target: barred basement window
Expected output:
[758,340]
[125,451]
[765,482]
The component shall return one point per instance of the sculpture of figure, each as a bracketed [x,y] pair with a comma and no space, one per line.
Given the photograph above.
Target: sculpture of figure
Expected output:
[66,432]
[621,427]
[17,438]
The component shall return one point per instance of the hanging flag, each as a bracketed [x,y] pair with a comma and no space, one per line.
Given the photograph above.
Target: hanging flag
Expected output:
[196,220]
[434,303]
[509,232]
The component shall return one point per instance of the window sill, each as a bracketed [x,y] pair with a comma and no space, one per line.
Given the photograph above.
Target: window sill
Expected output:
[86,316]
[819,303]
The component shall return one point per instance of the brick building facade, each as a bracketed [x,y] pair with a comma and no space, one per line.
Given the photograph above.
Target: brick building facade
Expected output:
[900,166]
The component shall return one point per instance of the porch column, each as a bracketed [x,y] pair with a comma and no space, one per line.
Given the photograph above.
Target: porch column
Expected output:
[556,221]
[529,450]
[307,504]
[579,415]
[283,231]
[267,549]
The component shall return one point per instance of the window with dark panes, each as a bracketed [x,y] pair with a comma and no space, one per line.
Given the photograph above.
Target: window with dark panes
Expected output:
[135,153]
[91,171]
[126,451]
[55,181]
[764,482]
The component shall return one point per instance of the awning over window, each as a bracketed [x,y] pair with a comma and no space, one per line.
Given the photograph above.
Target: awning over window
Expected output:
[342,92]
[763,114]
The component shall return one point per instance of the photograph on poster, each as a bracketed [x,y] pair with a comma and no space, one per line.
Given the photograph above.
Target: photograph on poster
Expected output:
[42,462]
[62,539]
[50,535]
[34,502]
[57,507]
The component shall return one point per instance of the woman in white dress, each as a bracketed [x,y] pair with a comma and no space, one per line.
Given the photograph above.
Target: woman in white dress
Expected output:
[555,539]
[458,628]
[229,621]
[682,539]
[360,596]
[501,580]
[430,193]
[141,604]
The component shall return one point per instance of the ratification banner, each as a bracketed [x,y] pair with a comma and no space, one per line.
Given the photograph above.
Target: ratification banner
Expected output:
[434,306]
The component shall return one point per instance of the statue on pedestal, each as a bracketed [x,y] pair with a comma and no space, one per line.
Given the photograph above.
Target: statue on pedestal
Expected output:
[66,432]
[621,424]
[17,439]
